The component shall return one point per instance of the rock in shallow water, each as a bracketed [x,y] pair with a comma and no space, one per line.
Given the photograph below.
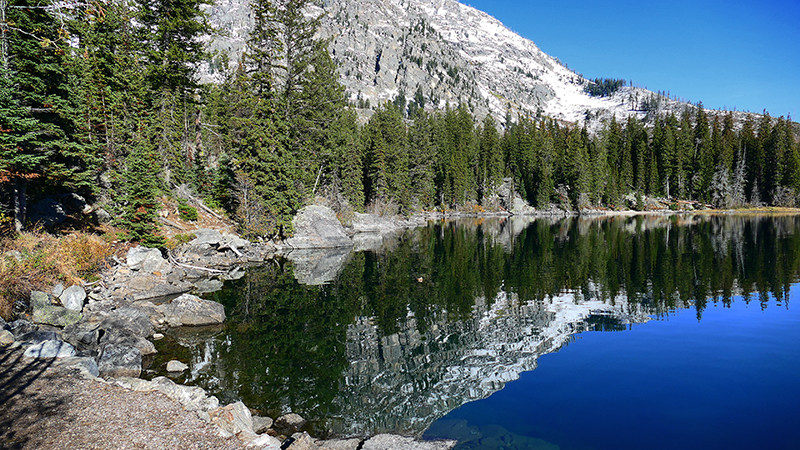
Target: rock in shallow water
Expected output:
[176,366]
[192,310]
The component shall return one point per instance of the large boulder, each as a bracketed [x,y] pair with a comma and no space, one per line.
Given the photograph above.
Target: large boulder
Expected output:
[120,361]
[135,321]
[289,423]
[316,226]
[45,312]
[192,310]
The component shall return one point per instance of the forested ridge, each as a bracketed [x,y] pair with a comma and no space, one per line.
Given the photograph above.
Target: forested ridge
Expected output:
[102,99]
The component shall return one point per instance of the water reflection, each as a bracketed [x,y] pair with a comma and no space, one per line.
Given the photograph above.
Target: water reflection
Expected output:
[451,312]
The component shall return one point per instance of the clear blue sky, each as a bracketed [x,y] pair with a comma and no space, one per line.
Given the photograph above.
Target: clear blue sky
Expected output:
[741,54]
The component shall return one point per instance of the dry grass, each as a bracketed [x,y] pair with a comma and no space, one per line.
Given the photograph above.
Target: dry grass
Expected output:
[46,260]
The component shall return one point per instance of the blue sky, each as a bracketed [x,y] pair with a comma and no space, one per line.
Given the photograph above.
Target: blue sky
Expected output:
[739,54]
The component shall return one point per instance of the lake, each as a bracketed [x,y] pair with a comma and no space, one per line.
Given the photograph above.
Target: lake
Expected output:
[579,333]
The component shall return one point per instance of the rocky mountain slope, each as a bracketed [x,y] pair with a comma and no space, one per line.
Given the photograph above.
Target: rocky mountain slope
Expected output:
[444,52]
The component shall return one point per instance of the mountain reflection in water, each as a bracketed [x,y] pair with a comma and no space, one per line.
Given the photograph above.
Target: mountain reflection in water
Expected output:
[450,313]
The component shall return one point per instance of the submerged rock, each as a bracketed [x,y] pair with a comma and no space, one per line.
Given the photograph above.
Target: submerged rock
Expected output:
[394,442]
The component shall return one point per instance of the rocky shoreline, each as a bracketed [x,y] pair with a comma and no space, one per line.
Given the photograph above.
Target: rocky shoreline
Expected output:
[103,330]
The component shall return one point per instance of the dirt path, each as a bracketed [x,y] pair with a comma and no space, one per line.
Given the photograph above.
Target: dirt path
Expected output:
[44,407]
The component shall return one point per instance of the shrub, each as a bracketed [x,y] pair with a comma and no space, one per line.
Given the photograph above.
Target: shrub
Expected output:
[187,213]
[43,260]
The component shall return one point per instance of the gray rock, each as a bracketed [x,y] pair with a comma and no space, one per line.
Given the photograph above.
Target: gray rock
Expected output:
[289,423]
[50,349]
[45,312]
[6,337]
[137,257]
[192,310]
[36,337]
[192,398]
[86,365]
[262,442]
[83,335]
[120,361]
[134,320]
[390,441]
[301,441]
[261,424]
[102,216]
[72,298]
[58,289]
[176,366]
[21,326]
[317,227]
[232,419]
[206,237]
[125,337]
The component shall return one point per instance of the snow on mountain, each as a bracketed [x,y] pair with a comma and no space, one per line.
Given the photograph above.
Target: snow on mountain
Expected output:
[449,53]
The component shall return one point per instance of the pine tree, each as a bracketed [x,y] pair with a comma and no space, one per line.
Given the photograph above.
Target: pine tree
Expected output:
[35,119]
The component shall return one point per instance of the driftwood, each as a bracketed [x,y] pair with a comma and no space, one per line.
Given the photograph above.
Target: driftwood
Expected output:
[189,266]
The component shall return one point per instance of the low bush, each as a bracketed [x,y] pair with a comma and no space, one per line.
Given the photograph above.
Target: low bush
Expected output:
[36,261]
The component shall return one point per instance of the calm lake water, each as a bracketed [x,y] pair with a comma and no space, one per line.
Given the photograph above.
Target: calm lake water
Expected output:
[592,333]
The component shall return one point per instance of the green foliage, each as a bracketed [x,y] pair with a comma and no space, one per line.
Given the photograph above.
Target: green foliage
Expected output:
[603,87]
[186,212]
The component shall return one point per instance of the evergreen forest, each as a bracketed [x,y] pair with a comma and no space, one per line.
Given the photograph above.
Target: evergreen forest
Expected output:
[102,99]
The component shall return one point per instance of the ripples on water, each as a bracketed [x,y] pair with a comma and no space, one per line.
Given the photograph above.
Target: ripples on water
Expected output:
[461,313]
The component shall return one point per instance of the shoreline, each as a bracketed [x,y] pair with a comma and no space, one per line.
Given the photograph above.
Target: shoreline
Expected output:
[122,305]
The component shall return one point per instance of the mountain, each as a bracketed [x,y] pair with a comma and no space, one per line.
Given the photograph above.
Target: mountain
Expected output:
[444,52]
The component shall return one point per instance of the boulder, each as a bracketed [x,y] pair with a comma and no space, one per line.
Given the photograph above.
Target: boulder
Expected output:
[232,419]
[300,441]
[138,257]
[317,227]
[87,366]
[45,312]
[58,289]
[176,366]
[83,335]
[37,336]
[134,320]
[125,337]
[120,361]
[261,424]
[289,424]
[206,237]
[72,298]
[192,310]
[50,349]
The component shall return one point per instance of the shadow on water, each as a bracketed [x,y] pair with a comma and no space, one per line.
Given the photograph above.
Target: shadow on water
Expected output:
[21,404]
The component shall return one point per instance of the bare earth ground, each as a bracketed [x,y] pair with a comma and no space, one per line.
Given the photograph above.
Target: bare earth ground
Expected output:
[43,407]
